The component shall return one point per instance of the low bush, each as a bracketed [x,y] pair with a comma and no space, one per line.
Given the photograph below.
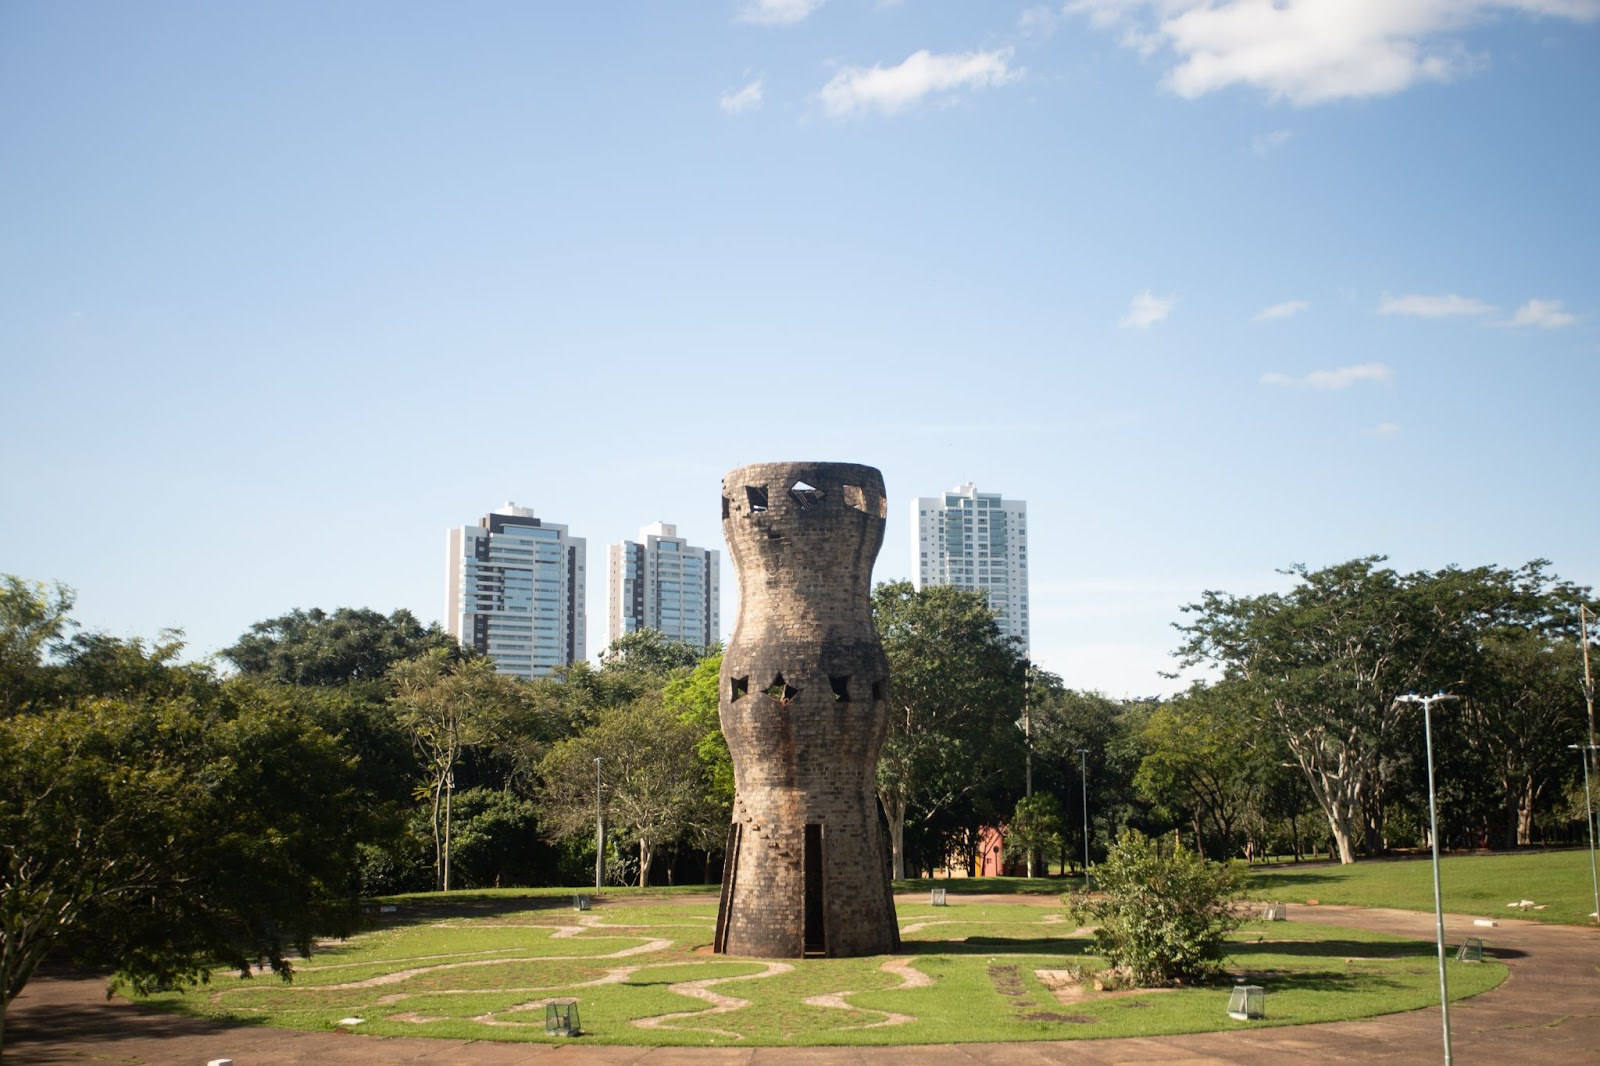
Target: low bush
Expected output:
[1163,912]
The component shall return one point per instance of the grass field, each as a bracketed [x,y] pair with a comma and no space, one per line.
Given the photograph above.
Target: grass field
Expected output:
[1558,883]
[482,966]
[1479,885]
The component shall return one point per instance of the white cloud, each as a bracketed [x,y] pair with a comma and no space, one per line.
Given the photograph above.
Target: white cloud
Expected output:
[1311,51]
[1287,309]
[1147,309]
[1333,380]
[1546,314]
[1384,429]
[887,90]
[1039,21]
[778,12]
[741,100]
[1262,143]
[1448,305]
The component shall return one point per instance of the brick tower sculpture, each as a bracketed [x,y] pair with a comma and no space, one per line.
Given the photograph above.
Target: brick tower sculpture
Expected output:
[803,705]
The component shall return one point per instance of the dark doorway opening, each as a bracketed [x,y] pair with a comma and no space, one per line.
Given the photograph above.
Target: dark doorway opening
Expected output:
[816,932]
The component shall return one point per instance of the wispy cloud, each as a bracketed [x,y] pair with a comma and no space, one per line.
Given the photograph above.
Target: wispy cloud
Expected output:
[1333,380]
[1147,309]
[1545,314]
[889,90]
[741,100]
[1040,20]
[1384,429]
[1448,305]
[1263,143]
[1287,309]
[1311,51]
[778,12]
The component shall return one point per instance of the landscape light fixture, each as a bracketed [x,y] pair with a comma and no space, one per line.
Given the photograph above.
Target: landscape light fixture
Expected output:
[1588,821]
[1083,773]
[1433,834]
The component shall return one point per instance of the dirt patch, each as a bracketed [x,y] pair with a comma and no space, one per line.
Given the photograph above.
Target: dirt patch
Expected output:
[1066,987]
[1008,981]
[1048,1016]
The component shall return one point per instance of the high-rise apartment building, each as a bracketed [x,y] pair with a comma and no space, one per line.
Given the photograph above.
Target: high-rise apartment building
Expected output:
[975,540]
[662,582]
[515,591]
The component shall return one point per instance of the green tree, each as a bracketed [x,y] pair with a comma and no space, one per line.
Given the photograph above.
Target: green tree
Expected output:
[164,835]
[654,787]
[1163,913]
[351,644]
[955,694]
[651,652]
[33,619]
[1325,662]
[694,698]
[1035,827]
[1065,720]
[448,705]
[1205,764]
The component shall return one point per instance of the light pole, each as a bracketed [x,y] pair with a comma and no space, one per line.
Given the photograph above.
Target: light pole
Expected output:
[1586,751]
[599,832]
[1433,835]
[1083,774]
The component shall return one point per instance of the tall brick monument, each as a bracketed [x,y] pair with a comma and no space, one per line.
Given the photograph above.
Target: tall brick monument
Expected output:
[804,710]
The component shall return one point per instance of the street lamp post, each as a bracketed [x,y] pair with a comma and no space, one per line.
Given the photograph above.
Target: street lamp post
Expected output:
[1433,835]
[1083,774]
[599,832]
[1587,750]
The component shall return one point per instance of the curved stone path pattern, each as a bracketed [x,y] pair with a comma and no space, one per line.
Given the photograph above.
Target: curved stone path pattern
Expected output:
[1547,1011]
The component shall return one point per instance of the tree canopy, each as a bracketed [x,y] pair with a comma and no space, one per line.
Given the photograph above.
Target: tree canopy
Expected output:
[955,694]
[317,648]
[1323,663]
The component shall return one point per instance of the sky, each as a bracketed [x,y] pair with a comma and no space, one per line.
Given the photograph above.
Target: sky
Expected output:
[1216,286]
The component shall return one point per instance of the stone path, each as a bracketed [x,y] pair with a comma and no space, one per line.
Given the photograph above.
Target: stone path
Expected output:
[1547,1011]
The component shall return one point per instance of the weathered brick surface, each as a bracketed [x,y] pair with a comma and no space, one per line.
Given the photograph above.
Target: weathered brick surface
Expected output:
[807,752]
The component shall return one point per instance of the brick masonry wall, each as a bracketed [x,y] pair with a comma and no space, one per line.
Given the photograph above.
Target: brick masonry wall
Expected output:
[803,708]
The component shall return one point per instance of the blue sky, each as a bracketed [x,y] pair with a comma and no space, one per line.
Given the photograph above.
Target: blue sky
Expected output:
[286,290]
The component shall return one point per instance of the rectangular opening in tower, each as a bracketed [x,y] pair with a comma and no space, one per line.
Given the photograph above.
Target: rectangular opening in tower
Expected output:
[816,933]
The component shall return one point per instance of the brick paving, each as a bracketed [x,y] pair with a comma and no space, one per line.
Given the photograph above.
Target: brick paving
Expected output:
[1547,1011]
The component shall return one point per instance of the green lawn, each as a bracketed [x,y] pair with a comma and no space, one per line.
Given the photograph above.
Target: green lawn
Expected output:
[1479,885]
[482,965]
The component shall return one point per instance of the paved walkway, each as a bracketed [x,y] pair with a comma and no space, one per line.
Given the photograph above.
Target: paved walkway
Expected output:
[1547,1011]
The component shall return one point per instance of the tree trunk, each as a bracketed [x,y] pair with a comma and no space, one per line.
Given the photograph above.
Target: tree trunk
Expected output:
[1525,812]
[644,863]
[449,794]
[1341,839]
[894,809]
[438,838]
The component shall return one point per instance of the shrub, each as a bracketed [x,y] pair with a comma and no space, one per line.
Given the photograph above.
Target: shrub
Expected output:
[1163,913]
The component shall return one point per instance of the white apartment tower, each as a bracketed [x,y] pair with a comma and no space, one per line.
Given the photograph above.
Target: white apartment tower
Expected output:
[662,582]
[515,591]
[975,540]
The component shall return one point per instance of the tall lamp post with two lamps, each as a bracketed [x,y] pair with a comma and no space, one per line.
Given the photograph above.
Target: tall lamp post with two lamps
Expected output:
[1587,751]
[1433,835]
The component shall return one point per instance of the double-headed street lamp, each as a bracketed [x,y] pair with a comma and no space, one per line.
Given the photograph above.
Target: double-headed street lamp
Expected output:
[1433,834]
[1587,750]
